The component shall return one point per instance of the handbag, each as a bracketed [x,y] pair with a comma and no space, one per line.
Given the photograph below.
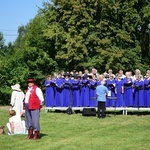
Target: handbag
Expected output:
[2,130]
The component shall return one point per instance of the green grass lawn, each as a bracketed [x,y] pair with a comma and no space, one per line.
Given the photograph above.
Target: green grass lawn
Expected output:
[60,131]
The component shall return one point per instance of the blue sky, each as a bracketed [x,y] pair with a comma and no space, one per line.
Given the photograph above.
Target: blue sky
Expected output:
[14,13]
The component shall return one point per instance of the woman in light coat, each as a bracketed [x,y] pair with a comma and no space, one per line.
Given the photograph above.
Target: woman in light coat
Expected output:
[17,98]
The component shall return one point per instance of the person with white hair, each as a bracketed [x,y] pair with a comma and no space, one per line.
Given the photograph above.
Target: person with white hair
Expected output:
[17,98]
[101,92]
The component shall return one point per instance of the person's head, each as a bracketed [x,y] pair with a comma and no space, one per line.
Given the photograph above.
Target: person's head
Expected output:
[137,72]
[94,77]
[94,71]
[130,73]
[147,76]
[55,75]
[121,72]
[110,71]
[101,77]
[80,73]
[62,72]
[12,112]
[111,76]
[59,75]
[49,77]
[85,76]
[86,71]
[148,71]
[127,74]
[31,82]
[67,75]
[119,77]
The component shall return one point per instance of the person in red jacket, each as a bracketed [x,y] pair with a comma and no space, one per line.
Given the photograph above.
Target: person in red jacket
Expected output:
[33,102]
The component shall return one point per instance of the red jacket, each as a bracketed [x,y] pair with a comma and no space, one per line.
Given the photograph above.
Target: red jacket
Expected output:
[34,101]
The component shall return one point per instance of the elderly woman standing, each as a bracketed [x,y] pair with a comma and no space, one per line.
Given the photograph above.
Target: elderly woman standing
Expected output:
[17,98]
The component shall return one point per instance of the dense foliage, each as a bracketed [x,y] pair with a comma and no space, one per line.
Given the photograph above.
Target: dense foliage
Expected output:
[74,35]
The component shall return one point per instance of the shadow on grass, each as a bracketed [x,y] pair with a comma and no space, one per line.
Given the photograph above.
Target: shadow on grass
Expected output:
[138,113]
[108,113]
[42,135]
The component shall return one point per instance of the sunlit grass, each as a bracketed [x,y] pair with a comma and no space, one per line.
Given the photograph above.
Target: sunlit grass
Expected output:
[60,131]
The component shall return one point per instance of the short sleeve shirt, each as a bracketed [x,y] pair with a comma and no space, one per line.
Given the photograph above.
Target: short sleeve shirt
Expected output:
[101,92]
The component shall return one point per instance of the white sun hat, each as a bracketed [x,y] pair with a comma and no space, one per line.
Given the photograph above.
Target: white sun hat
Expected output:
[16,87]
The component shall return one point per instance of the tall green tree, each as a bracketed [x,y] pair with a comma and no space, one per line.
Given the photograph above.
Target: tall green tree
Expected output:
[99,33]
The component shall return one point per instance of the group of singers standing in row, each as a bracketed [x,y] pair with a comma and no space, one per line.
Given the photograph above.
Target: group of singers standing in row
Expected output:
[79,90]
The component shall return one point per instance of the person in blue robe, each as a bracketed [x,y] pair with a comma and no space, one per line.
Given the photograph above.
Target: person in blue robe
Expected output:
[128,94]
[67,91]
[138,97]
[85,91]
[119,91]
[111,83]
[49,92]
[76,99]
[59,81]
[92,88]
[147,91]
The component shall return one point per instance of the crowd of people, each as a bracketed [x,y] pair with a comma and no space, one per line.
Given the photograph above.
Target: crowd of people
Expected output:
[78,89]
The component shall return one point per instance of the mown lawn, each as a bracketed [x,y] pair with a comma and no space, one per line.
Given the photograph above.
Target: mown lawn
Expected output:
[60,131]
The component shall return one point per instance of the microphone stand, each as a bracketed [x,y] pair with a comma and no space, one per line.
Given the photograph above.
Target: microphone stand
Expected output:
[139,88]
[69,110]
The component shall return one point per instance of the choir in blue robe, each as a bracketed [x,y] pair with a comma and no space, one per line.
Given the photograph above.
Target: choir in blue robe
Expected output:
[138,97]
[147,92]
[111,88]
[128,94]
[92,88]
[59,92]
[119,93]
[81,92]
[76,99]
[67,93]
[49,93]
[85,92]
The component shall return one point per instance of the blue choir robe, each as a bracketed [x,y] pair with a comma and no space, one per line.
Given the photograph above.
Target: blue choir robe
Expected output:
[119,92]
[98,82]
[49,93]
[147,92]
[76,98]
[92,88]
[111,88]
[67,93]
[128,93]
[138,97]
[59,92]
[85,92]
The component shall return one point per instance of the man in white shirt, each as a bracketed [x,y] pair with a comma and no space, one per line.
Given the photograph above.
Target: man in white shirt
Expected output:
[33,102]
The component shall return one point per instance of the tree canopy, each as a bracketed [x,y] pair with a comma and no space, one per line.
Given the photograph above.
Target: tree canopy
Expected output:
[75,35]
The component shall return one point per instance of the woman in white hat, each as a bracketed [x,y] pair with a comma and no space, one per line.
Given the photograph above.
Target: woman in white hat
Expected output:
[17,98]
